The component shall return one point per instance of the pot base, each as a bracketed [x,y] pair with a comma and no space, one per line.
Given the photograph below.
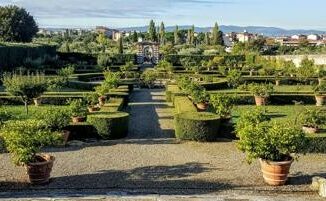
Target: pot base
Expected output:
[39,172]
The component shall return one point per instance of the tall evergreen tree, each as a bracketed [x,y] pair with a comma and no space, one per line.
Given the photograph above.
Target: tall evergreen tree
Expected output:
[189,37]
[152,31]
[192,35]
[207,39]
[120,45]
[135,37]
[162,34]
[176,35]
[217,38]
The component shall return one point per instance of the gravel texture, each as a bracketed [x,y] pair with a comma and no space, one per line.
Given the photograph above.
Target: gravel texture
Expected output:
[151,161]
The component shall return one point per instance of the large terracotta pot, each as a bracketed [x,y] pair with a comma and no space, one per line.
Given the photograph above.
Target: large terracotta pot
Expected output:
[202,106]
[261,100]
[101,100]
[39,172]
[320,100]
[275,173]
[78,119]
[93,109]
[309,130]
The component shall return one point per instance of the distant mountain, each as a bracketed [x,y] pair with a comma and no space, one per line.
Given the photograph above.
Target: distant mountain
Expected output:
[268,31]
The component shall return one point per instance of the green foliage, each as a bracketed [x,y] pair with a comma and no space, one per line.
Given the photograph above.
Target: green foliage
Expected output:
[233,78]
[92,99]
[127,67]
[104,60]
[78,107]
[183,104]
[320,89]
[222,104]
[55,119]
[16,25]
[111,125]
[198,126]
[26,87]
[165,65]
[24,139]
[260,90]
[313,118]
[4,116]
[152,31]
[199,94]
[273,141]
[190,51]
[217,36]
[110,82]
[253,117]
[148,77]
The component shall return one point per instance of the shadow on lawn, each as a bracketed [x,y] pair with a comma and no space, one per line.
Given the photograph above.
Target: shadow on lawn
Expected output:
[163,180]
[303,179]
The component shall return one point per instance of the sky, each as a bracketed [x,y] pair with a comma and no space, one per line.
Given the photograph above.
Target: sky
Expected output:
[288,14]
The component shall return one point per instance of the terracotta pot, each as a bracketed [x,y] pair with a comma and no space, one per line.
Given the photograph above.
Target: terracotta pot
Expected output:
[101,100]
[320,100]
[93,109]
[260,100]
[202,106]
[275,173]
[78,119]
[37,101]
[39,172]
[309,130]
[65,135]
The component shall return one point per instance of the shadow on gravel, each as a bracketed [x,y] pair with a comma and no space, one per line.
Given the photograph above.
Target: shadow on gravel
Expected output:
[163,180]
[303,179]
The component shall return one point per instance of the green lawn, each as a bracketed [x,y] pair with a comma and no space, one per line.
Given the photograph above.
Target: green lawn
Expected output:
[278,113]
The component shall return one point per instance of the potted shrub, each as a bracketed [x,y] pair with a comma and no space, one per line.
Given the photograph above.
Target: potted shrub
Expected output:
[57,119]
[312,119]
[78,109]
[261,92]
[111,81]
[24,140]
[101,91]
[201,99]
[274,144]
[92,102]
[320,94]
[222,105]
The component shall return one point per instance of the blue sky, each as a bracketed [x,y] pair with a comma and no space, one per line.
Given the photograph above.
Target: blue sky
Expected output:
[288,14]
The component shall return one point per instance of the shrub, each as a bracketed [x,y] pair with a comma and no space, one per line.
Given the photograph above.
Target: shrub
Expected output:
[148,78]
[127,67]
[273,141]
[183,104]
[104,60]
[56,119]
[78,108]
[198,126]
[92,99]
[222,104]
[256,116]
[320,89]
[261,90]
[24,139]
[165,65]
[4,116]
[313,118]
[110,125]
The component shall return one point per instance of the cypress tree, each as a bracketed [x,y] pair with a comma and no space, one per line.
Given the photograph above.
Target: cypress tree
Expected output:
[162,33]
[152,31]
[121,45]
[207,39]
[176,35]
[135,37]
[217,38]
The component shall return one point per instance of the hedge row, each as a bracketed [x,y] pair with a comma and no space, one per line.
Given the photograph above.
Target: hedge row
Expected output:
[175,59]
[198,126]
[14,55]
[317,143]
[183,104]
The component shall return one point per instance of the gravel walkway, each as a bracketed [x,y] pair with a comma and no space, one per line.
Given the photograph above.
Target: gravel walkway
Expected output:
[151,161]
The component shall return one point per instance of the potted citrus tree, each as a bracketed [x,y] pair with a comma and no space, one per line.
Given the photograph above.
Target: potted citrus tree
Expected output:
[311,120]
[201,98]
[222,105]
[275,144]
[320,94]
[92,101]
[261,92]
[78,109]
[24,140]
[57,119]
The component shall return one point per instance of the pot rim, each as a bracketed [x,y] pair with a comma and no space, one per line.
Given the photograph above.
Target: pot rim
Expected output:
[51,159]
[269,162]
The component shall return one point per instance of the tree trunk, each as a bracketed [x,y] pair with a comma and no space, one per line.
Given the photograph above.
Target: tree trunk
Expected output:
[26,106]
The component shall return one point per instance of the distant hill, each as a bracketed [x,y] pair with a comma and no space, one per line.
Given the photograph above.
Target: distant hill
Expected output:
[268,31]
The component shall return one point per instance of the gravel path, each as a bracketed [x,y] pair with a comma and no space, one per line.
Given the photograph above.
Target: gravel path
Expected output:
[151,161]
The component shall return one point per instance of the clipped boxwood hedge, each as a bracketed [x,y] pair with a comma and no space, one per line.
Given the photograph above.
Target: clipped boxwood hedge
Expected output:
[317,143]
[183,104]
[198,126]
[110,125]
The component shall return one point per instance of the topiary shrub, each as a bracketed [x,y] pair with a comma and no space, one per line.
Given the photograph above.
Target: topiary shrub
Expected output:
[110,125]
[198,126]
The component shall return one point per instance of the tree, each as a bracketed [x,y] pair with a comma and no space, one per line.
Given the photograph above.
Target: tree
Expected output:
[27,87]
[207,39]
[189,37]
[176,36]
[192,35]
[102,40]
[217,38]
[152,31]
[162,34]
[16,25]
[121,45]
[135,37]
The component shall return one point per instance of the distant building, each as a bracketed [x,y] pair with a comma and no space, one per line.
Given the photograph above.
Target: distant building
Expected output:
[298,37]
[113,34]
[313,37]
[245,36]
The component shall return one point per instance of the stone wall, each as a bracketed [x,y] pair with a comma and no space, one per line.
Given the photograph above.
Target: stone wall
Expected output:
[319,59]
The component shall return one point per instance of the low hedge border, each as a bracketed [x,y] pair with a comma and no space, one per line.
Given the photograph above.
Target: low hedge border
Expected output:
[317,143]
[113,125]
[198,126]
[169,90]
